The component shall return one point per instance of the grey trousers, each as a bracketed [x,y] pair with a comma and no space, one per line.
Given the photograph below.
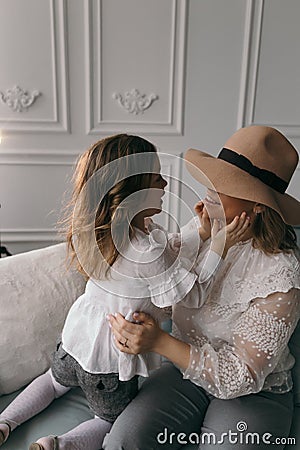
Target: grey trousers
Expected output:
[169,412]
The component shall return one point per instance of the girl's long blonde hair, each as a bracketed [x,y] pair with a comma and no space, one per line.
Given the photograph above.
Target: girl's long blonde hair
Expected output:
[271,234]
[91,210]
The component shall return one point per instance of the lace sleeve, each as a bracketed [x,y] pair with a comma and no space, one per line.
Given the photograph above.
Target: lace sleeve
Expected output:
[259,338]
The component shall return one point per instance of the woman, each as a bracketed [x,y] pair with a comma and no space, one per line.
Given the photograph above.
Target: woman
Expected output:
[230,378]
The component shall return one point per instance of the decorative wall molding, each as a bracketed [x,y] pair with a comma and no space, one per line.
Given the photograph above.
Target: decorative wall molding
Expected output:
[59,122]
[245,65]
[38,157]
[95,122]
[30,235]
[250,69]
[134,102]
[171,203]
[48,157]
[18,99]
[34,235]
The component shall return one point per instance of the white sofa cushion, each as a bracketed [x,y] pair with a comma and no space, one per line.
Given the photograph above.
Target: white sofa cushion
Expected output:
[36,292]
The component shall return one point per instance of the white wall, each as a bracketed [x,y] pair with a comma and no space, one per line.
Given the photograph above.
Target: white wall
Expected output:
[214,66]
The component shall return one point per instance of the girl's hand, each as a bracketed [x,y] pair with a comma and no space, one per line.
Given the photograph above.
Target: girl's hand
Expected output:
[134,338]
[205,229]
[224,237]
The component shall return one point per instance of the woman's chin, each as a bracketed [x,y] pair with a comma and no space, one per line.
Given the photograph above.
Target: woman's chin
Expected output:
[157,210]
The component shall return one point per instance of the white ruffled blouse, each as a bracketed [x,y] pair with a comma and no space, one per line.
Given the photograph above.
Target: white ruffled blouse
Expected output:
[156,271]
[239,337]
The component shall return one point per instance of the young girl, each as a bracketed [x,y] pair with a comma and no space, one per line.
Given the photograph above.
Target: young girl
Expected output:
[129,268]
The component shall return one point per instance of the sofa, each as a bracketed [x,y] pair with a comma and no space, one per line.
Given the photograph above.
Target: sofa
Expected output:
[36,291]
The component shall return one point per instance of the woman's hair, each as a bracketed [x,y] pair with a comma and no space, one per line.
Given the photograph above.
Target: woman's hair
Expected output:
[99,188]
[271,234]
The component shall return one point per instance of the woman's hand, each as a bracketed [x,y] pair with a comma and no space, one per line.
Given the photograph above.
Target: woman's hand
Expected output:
[134,338]
[224,237]
[146,336]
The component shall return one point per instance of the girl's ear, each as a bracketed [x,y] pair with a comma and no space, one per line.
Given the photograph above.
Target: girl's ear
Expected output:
[258,208]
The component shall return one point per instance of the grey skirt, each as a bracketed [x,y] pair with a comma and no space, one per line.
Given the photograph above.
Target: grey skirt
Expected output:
[107,396]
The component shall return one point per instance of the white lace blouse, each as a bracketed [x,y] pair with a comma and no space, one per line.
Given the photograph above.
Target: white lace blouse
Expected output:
[154,272]
[239,337]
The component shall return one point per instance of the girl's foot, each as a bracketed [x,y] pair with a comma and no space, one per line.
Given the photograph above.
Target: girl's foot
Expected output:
[4,432]
[45,443]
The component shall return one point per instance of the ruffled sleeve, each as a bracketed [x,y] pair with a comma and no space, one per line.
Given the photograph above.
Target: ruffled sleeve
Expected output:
[188,242]
[168,277]
[171,277]
[260,337]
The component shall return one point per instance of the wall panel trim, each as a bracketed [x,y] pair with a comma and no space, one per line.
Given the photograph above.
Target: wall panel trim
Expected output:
[29,235]
[249,71]
[60,75]
[95,124]
[38,157]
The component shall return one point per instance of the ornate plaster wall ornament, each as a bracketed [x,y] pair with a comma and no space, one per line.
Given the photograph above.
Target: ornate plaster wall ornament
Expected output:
[17,99]
[134,102]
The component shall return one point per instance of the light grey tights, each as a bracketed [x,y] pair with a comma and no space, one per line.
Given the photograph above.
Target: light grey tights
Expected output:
[35,398]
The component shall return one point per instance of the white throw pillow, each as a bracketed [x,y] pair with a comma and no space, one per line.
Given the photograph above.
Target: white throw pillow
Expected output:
[36,292]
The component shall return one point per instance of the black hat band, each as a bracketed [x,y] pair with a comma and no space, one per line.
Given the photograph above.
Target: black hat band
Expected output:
[243,163]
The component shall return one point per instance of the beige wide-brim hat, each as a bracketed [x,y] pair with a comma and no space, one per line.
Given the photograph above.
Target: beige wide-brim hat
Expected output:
[256,164]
